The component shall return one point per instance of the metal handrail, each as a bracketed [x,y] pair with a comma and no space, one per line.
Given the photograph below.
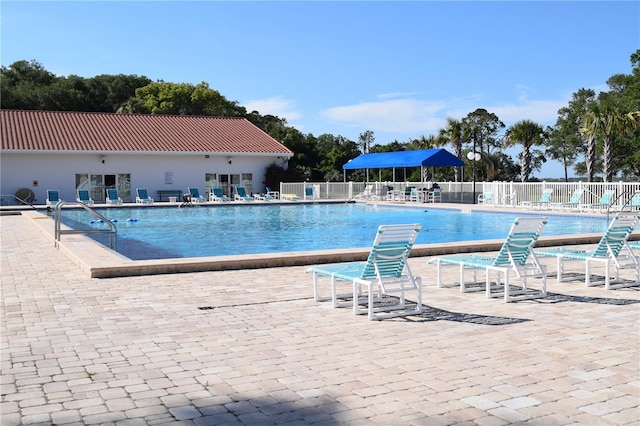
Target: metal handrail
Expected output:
[112,231]
[24,202]
[626,203]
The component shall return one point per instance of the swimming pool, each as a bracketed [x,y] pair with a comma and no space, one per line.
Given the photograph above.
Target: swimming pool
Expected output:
[171,232]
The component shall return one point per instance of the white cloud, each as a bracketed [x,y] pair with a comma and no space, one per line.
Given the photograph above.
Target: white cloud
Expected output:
[399,115]
[544,112]
[276,105]
[423,117]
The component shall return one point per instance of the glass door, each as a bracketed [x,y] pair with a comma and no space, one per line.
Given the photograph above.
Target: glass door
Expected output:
[210,181]
[97,188]
[98,184]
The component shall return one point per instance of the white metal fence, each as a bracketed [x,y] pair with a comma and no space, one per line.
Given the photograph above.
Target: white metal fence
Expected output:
[502,193]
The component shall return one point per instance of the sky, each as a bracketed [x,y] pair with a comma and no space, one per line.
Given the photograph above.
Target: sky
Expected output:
[398,69]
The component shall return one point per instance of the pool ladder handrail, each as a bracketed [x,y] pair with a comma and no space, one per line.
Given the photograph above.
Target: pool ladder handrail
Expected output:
[625,204]
[20,200]
[112,231]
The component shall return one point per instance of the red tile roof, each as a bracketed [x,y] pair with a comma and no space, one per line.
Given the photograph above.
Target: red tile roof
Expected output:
[22,130]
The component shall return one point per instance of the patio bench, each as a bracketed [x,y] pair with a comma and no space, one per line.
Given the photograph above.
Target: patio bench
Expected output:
[164,194]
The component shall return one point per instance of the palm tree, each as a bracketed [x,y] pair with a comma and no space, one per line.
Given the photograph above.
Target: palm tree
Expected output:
[453,134]
[604,122]
[527,133]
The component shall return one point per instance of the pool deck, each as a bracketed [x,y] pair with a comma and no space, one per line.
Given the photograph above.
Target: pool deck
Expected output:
[252,347]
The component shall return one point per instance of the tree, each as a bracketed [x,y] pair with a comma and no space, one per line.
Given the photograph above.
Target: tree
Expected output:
[453,134]
[365,141]
[23,86]
[528,134]
[481,128]
[334,151]
[565,141]
[181,99]
[605,121]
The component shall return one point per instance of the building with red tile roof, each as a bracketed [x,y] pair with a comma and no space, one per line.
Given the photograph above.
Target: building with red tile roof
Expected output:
[67,151]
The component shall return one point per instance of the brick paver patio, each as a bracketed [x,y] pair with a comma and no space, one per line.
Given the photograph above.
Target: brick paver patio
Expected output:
[252,347]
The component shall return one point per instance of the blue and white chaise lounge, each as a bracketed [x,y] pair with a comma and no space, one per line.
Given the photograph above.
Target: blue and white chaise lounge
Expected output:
[573,203]
[515,257]
[143,197]
[613,248]
[241,194]
[195,195]
[603,204]
[543,203]
[216,194]
[113,197]
[83,196]
[386,272]
[53,197]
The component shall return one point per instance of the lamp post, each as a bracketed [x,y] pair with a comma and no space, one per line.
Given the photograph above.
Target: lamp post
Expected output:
[473,156]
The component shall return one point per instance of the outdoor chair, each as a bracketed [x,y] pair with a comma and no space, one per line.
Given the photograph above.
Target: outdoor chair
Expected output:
[216,194]
[385,273]
[605,201]
[83,196]
[271,193]
[613,248]
[195,195]
[510,199]
[434,196]
[367,194]
[290,197]
[572,204]
[143,197]
[309,193]
[416,195]
[515,257]
[113,197]
[241,194]
[485,198]
[53,197]
[543,203]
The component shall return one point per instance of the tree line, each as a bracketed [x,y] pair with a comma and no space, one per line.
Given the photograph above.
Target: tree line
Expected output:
[598,135]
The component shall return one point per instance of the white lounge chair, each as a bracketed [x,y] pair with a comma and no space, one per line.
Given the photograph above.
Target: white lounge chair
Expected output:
[241,194]
[113,197]
[416,195]
[216,194]
[434,196]
[367,194]
[605,201]
[271,193]
[510,199]
[142,196]
[53,197]
[515,257]
[386,272]
[195,195]
[485,198]
[613,248]
[543,203]
[308,193]
[573,203]
[83,196]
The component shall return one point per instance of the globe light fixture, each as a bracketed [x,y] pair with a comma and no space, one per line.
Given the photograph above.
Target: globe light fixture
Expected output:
[473,156]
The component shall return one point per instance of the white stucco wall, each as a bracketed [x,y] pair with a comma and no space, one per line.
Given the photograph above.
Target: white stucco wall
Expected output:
[58,170]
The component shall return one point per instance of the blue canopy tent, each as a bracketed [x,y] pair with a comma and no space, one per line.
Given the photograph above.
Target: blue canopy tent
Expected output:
[421,158]
[439,157]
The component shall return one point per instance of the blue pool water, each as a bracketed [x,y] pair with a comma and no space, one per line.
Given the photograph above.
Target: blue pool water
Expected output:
[172,232]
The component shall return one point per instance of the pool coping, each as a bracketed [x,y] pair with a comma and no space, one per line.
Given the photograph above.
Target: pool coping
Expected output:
[97,261]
